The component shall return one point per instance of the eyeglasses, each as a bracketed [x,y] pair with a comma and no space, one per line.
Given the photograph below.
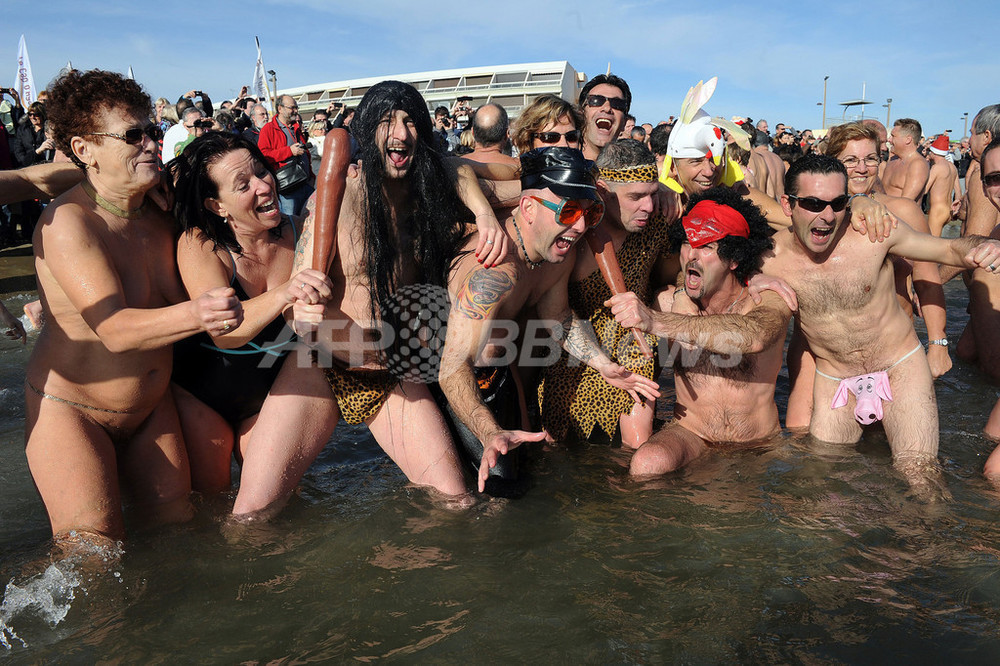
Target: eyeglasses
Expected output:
[293,108]
[33,114]
[870,161]
[991,180]
[569,211]
[200,124]
[133,136]
[814,205]
[572,136]
[617,103]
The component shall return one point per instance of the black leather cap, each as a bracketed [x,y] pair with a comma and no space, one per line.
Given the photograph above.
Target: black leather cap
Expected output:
[565,171]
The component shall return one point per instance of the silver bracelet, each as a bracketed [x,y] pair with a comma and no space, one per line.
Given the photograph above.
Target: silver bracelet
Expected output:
[941,341]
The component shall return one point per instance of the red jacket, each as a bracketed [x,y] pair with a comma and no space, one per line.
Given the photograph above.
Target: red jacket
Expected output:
[274,145]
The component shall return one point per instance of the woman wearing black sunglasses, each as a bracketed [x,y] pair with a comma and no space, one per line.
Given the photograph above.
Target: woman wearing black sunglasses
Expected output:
[99,409]
[548,121]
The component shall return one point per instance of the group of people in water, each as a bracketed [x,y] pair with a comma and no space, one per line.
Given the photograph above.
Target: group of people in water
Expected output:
[467,308]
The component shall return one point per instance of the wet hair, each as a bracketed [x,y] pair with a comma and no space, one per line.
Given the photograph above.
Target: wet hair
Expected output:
[748,253]
[192,184]
[77,99]
[838,137]
[993,144]
[543,110]
[490,135]
[911,127]
[624,153]
[818,164]
[611,80]
[988,119]
[438,219]
[659,138]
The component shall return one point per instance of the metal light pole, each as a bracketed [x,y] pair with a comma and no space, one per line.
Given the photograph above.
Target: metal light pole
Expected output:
[965,130]
[824,102]
[274,85]
[888,110]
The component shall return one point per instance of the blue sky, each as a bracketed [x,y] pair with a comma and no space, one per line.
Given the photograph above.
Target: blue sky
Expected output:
[770,58]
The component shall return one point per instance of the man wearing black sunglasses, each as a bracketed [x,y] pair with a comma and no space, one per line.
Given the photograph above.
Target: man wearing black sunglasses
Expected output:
[852,322]
[605,101]
[856,146]
[558,203]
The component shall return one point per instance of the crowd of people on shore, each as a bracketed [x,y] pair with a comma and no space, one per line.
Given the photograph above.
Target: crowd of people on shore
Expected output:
[227,284]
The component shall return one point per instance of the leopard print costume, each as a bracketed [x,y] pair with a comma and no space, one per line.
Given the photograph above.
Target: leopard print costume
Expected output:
[360,393]
[574,397]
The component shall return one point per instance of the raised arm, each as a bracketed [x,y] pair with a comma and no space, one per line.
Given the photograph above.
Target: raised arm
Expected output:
[85,273]
[721,334]
[967,251]
[203,270]
[40,181]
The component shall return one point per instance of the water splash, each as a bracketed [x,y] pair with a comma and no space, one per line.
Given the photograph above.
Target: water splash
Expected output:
[47,596]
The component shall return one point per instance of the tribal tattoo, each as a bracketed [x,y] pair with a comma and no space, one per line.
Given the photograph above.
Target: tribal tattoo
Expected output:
[483,289]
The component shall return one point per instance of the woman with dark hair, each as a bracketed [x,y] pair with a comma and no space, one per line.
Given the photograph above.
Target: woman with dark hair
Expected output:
[243,388]
[30,144]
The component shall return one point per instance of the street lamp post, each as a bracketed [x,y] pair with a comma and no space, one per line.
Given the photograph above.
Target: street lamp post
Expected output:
[824,101]
[888,110]
[965,130]
[274,85]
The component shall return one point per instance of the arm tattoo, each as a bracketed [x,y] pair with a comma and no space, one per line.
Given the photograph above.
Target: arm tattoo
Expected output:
[576,340]
[300,260]
[481,292]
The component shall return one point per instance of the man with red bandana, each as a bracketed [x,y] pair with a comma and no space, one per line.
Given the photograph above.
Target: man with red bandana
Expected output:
[727,356]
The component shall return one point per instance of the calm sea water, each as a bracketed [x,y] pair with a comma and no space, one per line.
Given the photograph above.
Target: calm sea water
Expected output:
[782,554]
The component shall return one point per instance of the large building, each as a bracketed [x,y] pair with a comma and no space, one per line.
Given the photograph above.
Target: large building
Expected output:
[512,86]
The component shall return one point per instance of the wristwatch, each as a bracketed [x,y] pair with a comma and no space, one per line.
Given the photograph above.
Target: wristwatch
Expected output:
[942,341]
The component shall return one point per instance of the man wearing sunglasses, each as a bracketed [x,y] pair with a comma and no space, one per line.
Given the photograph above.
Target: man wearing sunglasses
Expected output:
[605,101]
[558,203]
[990,164]
[856,146]
[577,401]
[726,373]
[863,342]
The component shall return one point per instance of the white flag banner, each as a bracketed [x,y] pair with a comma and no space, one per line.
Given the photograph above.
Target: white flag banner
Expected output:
[24,82]
[130,74]
[259,86]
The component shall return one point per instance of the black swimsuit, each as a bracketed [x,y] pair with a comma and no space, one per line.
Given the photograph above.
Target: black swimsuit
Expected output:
[233,382]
